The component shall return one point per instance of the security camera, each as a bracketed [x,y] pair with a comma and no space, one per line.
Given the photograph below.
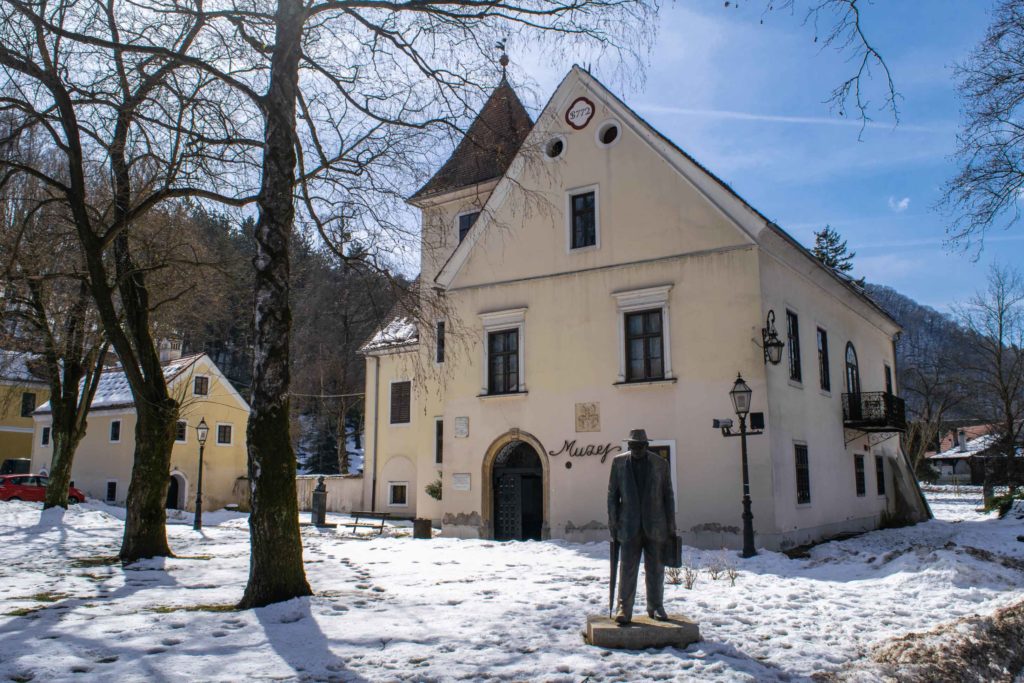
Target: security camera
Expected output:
[725,423]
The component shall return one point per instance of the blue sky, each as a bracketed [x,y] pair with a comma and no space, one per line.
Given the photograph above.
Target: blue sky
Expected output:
[748,100]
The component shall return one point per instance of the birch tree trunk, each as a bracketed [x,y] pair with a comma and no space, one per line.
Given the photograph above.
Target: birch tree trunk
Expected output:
[276,572]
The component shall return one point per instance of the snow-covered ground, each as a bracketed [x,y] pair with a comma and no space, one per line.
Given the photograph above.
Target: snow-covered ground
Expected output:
[394,608]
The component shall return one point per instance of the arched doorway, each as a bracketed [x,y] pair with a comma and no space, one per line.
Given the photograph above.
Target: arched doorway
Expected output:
[176,492]
[515,489]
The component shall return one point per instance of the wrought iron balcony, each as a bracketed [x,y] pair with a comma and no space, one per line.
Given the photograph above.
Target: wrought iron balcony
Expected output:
[874,411]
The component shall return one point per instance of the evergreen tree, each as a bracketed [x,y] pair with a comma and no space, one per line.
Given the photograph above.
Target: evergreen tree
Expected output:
[830,248]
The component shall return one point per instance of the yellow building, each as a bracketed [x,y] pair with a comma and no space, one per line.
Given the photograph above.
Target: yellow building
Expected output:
[582,276]
[103,461]
[21,392]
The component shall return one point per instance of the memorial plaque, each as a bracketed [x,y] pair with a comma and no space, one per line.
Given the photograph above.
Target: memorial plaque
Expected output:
[461,481]
[461,427]
[588,417]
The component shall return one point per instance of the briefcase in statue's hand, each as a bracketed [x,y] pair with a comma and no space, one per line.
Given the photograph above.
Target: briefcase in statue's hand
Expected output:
[674,551]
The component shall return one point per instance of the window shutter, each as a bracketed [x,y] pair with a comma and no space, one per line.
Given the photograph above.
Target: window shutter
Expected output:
[400,400]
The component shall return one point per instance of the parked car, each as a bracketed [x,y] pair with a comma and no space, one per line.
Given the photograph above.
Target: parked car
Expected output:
[31,487]
[16,466]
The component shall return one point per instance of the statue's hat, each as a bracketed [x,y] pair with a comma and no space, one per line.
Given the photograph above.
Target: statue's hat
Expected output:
[637,436]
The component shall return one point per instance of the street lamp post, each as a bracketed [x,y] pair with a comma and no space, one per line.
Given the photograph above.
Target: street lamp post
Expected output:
[740,395]
[202,431]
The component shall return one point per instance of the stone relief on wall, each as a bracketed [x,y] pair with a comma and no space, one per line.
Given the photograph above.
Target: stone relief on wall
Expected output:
[588,417]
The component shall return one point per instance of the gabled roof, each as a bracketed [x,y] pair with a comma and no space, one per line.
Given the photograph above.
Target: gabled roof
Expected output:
[743,215]
[972,447]
[488,147]
[397,333]
[114,392]
[15,366]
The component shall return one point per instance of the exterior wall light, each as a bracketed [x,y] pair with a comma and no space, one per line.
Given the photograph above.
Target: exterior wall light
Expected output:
[770,341]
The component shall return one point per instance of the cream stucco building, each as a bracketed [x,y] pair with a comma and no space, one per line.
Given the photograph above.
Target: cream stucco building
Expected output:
[582,276]
[103,462]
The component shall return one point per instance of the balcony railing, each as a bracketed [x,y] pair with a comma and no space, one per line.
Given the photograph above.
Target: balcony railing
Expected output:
[874,411]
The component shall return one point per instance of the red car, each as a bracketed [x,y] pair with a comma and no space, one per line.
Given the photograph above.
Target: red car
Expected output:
[31,487]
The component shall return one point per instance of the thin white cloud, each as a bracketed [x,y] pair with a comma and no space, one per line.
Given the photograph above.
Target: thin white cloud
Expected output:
[801,120]
[899,205]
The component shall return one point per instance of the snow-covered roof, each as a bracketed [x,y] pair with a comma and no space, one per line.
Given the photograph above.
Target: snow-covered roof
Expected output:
[399,332]
[972,447]
[14,367]
[114,392]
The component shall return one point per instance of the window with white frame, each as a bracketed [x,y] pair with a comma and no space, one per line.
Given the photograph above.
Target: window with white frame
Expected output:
[398,493]
[439,351]
[28,404]
[504,371]
[583,223]
[181,431]
[45,438]
[645,349]
[200,385]
[224,434]
[111,493]
[803,475]
[858,473]
[115,431]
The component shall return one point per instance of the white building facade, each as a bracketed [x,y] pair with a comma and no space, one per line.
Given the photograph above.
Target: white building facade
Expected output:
[581,276]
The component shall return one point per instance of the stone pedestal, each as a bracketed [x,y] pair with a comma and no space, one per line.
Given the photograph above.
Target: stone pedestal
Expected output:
[679,631]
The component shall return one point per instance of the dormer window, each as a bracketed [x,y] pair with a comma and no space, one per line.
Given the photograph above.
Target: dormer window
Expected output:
[466,221]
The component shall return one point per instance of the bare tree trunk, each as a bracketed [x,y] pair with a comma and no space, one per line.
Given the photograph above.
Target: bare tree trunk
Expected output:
[276,572]
[145,533]
[64,445]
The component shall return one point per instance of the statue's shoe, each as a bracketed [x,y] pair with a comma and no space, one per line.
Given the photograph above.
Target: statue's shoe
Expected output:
[658,613]
[622,618]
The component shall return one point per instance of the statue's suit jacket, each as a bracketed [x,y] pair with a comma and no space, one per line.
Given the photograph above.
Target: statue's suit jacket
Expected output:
[630,510]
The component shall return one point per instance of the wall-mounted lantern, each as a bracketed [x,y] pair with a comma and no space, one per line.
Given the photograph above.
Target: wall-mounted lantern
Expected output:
[770,341]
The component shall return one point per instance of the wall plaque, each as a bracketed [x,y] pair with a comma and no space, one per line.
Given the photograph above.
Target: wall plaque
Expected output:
[461,482]
[579,113]
[461,427]
[588,417]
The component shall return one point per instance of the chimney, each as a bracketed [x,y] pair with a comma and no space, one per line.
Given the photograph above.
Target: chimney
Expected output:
[961,440]
[170,350]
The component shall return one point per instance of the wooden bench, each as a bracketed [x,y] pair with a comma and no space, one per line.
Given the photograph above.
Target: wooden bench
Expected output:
[356,524]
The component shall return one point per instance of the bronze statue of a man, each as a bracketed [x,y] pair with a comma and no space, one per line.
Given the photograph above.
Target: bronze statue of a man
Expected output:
[642,519]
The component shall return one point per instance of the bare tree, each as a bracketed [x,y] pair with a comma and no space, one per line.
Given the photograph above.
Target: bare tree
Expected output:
[838,24]
[990,144]
[994,318]
[45,292]
[125,126]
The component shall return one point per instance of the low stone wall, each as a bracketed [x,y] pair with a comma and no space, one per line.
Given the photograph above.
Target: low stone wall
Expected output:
[344,491]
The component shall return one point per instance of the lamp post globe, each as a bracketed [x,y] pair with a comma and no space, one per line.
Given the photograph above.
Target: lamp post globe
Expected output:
[202,432]
[740,396]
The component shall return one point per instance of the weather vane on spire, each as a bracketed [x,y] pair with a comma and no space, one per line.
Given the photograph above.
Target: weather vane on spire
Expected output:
[503,60]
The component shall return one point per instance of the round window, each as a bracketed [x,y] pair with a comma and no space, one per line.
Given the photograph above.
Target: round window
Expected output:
[608,133]
[555,148]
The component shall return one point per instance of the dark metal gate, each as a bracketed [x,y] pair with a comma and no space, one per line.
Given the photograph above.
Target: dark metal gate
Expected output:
[508,522]
[518,493]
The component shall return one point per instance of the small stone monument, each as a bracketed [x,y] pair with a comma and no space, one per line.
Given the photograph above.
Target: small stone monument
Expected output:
[319,511]
[642,521]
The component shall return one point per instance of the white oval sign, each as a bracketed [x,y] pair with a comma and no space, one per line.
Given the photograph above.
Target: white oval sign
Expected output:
[578,114]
